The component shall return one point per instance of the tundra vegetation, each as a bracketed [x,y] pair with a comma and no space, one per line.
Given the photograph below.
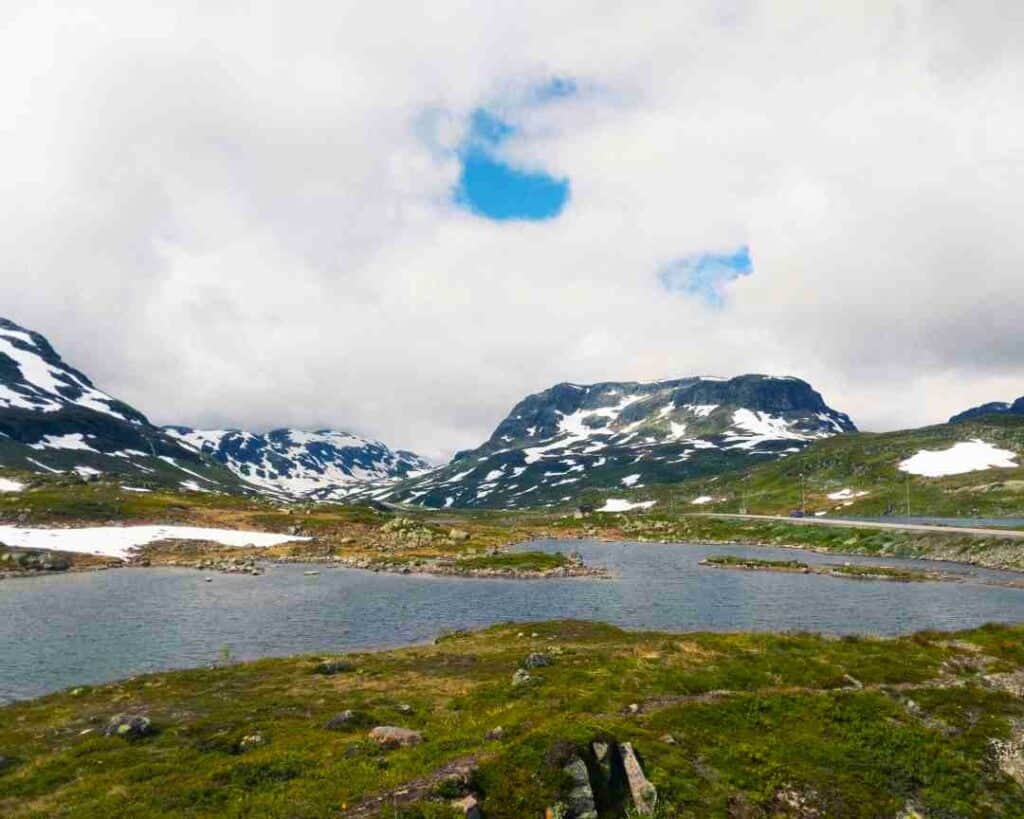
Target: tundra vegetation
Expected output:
[512,718]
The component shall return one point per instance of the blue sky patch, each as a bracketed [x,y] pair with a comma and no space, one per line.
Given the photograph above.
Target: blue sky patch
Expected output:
[491,187]
[704,275]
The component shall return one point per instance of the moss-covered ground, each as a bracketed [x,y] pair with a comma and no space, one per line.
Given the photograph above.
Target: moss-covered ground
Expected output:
[725,725]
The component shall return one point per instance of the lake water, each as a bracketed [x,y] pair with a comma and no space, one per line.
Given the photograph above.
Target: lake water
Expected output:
[93,627]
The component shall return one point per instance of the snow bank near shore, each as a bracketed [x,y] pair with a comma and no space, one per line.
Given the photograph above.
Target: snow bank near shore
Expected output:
[120,541]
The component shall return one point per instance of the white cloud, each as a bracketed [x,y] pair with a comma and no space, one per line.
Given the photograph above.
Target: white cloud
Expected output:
[240,215]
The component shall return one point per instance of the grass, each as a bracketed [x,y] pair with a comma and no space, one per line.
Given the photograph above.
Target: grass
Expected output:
[788,720]
[732,561]
[516,561]
[867,463]
[878,572]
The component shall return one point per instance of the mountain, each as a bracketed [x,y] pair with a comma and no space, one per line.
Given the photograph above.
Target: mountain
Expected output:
[992,408]
[321,465]
[625,435]
[54,420]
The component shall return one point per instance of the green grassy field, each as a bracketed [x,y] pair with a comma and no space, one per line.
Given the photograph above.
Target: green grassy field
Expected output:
[724,725]
[863,462]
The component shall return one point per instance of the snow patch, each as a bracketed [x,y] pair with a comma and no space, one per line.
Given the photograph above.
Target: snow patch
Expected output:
[121,541]
[702,500]
[965,456]
[7,485]
[623,505]
[846,494]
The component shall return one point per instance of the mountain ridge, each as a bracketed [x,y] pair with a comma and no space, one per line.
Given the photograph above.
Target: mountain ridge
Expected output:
[53,419]
[622,433]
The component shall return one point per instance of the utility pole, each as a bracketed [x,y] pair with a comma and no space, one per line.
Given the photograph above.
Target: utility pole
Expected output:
[803,494]
[908,496]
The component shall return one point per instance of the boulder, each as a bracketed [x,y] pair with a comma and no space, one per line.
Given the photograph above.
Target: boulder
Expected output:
[330,667]
[251,742]
[469,806]
[495,734]
[581,795]
[340,722]
[391,736]
[537,660]
[458,534]
[129,726]
[644,794]
[521,677]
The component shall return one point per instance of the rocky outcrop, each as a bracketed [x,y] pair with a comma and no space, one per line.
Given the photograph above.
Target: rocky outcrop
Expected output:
[580,799]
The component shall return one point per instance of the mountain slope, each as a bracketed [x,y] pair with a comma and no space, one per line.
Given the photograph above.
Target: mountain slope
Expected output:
[321,465]
[992,408]
[974,468]
[572,437]
[53,419]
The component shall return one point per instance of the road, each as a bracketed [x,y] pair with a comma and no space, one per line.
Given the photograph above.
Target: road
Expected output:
[1009,534]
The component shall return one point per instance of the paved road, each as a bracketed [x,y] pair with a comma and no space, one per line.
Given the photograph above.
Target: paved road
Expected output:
[1013,534]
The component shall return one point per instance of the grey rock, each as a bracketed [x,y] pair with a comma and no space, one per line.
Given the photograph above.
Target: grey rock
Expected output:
[391,736]
[341,721]
[331,667]
[537,660]
[521,677]
[581,795]
[495,734]
[129,726]
[251,742]
[469,806]
[645,795]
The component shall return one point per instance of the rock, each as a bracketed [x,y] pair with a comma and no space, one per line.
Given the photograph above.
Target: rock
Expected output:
[1009,754]
[251,742]
[458,534]
[129,726]
[521,677]
[644,794]
[668,739]
[910,811]
[404,708]
[495,734]
[633,708]
[391,736]
[329,667]
[469,806]
[341,721]
[537,660]
[798,804]
[581,795]
[1011,682]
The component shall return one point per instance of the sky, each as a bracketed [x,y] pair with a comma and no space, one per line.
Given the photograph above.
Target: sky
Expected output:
[400,218]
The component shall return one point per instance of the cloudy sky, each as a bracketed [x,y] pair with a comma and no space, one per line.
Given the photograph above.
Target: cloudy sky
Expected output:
[400,218]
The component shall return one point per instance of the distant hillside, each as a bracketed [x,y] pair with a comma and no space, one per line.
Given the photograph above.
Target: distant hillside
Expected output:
[321,465]
[969,469]
[626,435]
[991,408]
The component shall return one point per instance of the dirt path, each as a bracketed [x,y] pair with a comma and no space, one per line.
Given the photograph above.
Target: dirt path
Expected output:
[414,790]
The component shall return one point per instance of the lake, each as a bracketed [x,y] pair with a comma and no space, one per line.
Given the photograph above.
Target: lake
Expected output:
[82,628]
